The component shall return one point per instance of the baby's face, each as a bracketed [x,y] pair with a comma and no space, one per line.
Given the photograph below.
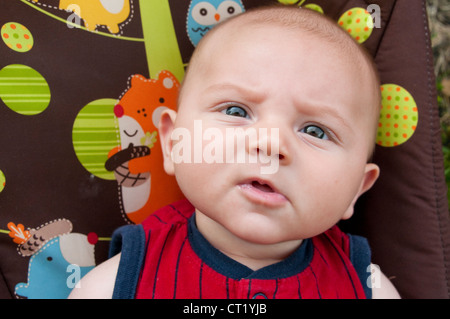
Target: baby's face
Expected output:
[313,135]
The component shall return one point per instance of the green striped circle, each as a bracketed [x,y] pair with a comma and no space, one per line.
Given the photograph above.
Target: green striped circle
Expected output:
[94,134]
[23,89]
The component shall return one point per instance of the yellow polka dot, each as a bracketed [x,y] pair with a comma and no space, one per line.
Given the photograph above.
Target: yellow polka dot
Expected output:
[359,17]
[397,124]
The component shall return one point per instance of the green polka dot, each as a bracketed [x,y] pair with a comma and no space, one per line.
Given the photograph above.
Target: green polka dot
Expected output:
[358,23]
[314,7]
[398,117]
[2,181]
[94,134]
[23,89]
[287,1]
[17,37]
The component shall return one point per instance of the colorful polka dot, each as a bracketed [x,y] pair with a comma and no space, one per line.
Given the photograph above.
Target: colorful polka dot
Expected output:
[358,23]
[315,7]
[17,37]
[398,117]
[2,181]
[287,1]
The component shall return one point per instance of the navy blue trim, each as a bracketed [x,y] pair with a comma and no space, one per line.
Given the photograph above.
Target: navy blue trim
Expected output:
[228,267]
[360,256]
[128,240]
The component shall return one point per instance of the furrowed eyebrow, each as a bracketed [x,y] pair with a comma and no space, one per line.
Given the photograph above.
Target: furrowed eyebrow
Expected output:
[327,112]
[247,94]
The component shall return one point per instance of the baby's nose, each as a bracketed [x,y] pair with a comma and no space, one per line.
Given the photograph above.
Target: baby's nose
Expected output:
[270,145]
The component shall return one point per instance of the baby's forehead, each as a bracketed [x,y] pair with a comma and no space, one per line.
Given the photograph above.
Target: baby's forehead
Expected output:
[299,24]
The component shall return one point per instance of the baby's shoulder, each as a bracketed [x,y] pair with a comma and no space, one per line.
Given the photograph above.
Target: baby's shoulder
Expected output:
[99,282]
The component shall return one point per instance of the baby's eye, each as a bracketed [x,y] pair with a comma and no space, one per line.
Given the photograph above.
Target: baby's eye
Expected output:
[235,111]
[315,131]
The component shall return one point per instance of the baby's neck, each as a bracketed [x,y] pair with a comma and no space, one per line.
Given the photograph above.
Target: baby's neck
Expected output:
[253,255]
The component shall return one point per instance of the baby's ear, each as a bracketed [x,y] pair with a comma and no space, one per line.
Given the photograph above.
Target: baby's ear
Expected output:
[166,127]
[371,173]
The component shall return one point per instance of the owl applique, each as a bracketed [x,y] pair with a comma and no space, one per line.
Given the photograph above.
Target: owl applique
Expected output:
[203,15]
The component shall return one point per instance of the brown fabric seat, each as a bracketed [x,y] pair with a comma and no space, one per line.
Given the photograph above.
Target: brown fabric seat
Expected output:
[59,123]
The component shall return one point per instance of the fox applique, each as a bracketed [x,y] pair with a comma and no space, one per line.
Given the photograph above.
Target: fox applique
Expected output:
[138,162]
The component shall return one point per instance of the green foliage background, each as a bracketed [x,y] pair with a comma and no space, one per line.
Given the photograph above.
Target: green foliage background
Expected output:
[439,21]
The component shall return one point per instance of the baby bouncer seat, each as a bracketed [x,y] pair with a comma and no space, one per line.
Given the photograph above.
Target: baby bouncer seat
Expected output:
[82,84]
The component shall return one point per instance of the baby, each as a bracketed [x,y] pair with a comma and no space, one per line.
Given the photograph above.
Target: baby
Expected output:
[309,96]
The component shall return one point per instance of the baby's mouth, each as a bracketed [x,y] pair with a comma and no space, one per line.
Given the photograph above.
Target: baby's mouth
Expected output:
[262,187]
[263,193]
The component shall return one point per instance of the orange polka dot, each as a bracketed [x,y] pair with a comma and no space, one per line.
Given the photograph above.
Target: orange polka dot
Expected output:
[349,13]
[13,26]
[398,120]
[19,46]
[5,35]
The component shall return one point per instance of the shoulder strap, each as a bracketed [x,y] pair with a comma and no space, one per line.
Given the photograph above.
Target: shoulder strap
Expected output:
[360,256]
[129,240]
